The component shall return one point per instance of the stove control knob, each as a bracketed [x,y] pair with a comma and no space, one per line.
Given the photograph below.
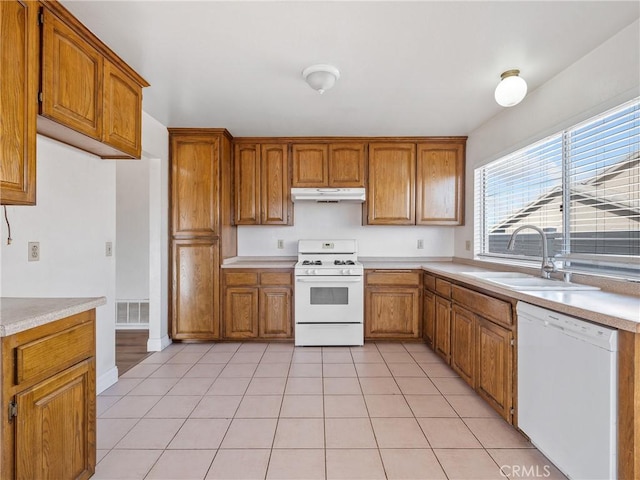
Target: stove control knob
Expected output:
[312,272]
[346,271]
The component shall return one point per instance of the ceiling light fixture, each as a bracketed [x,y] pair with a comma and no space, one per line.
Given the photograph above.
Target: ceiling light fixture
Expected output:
[321,77]
[511,89]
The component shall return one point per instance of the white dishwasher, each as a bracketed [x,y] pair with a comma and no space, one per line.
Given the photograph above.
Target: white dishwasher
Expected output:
[567,391]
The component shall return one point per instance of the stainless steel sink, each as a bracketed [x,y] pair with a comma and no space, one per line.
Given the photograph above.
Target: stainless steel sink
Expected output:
[523,281]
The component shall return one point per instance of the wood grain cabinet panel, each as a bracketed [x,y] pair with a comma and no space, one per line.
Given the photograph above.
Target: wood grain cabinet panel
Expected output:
[429,317]
[391,192]
[346,165]
[274,187]
[392,312]
[18,106]
[339,165]
[275,312]
[247,184]
[241,313]
[442,344]
[495,366]
[439,183]
[463,348]
[310,165]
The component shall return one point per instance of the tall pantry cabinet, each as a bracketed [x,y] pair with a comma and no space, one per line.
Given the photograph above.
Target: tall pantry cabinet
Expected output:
[202,234]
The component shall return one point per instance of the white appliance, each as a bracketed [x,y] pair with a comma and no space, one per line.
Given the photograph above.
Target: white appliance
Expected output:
[329,293]
[567,391]
[328,195]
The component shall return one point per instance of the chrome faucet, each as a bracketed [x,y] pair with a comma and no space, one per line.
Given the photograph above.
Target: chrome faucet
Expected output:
[547,266]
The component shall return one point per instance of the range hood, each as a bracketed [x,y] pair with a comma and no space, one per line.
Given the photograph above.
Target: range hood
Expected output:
[328,195]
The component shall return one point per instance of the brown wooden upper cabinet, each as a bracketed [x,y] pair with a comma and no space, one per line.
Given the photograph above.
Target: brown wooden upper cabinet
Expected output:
[418,183]
[261,180]
[89,97]
[19,74]
[340,165]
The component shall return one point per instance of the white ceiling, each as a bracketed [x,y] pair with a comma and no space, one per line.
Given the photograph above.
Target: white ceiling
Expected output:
[407,68]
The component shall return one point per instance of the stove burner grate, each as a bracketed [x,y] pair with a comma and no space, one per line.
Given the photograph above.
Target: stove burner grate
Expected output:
[312,262]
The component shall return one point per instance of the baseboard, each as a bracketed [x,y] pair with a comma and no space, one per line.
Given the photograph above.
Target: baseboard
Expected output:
[158,344]
[105,380]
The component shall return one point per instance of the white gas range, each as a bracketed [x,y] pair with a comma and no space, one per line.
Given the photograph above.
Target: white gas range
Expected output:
[329,293]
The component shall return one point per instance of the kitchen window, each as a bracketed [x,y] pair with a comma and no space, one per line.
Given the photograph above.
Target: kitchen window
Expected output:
[581,186]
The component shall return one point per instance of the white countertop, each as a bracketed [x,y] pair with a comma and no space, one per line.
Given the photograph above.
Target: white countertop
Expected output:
[22,313]
[259,262]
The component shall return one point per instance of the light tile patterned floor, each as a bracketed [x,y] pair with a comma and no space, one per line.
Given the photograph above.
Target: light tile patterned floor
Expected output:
[271,411]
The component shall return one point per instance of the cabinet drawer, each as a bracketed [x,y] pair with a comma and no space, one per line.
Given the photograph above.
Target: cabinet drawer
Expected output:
[484,305]
[241,278]
[443,288]
[405,277]
[429,282]
[276,278]
[48,355]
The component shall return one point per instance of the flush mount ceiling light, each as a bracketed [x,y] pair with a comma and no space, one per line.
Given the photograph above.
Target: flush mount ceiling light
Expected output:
[511,89]
[321,77]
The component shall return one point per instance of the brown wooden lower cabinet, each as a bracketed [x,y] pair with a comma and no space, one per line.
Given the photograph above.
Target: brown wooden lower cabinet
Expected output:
[442,343]
[463,345]
[428,317]
[241,312]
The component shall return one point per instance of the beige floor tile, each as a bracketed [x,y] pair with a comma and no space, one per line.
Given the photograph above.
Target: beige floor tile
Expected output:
[372,370]
[186,357]
[238,370]
[272,370]
[464,464]
[354,464]
[299,433]
[416,386]
[435,370]
[338,370]
[225,347]
[217,406]
[122,387]
[344,406]
[411,464]
[398,433]
[341,386]
[274,356]
[379,386]
[448,433]
[178,406]
[305,370]
[303,386]
[525,463]
[397,357]
[182,465]
[170,370]
[452,386]
[100,454]
[197,347]
[496,433]
[249,464]
[306,356]
[387,406]
[109,431]
[334,356]
[368,356]
[302,406]
[406,370]
[296,464]
[160,357]
[280,347]
[259,406]
[253,347]
[367,347]
[204,370]
[131,407]
[412,347]
[126,464]
[349,433]
[154,386]
[389,347]
[229,386]
[140,371]
[430,406]
[151,433]
[191,386]
[215,356]
[200,434]
[246,357]
[250,433]
[428,356]
[471,406]
[104,403]
[266,386]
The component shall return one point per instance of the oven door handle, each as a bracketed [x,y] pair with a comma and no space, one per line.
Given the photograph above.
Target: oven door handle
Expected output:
[328,279]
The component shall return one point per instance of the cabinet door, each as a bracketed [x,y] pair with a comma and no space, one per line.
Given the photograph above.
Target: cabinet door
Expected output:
[392,312]
[275,312]
[429,314]
[346,165]
[241,312]
[56,426]
[71,78]
[463,351]
[195,173]
[274,187]
[18,106]
[247,184]
[391,194]
[495,366]
[440,184]
[310,165]
[122,111]
[195,312]
[443,328]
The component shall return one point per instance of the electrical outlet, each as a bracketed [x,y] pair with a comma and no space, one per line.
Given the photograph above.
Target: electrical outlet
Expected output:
[280,244]
[420,244]
[108,249]
[34,251]
[467,245]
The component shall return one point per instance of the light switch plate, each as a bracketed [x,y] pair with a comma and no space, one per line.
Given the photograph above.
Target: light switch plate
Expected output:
[108,249]
[420,244]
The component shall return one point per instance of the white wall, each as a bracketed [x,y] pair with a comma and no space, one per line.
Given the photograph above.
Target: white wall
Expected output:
[344,220]
[604,78]
[75,215]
